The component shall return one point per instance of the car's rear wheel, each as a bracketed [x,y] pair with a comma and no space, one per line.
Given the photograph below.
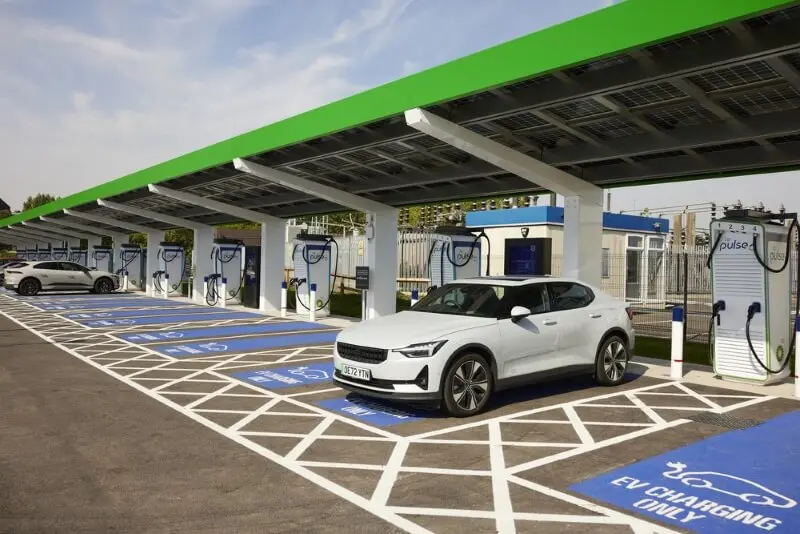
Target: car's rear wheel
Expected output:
[468,385]
[612,361]
[104,285]
[29,287]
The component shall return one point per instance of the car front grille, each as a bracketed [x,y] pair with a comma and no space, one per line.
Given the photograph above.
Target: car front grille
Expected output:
[361,354]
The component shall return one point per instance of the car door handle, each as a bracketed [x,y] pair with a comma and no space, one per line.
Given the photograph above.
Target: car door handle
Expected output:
[549,322]
[595,315]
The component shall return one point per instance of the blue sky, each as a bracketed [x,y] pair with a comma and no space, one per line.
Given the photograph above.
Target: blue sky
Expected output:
[111,87]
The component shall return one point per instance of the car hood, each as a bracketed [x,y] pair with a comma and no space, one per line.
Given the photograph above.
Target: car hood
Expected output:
[407,327]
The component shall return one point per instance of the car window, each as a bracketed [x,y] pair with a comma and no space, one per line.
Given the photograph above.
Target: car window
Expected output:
[48,265]
[68,266]
[477,300]
[533,297]
[569,296]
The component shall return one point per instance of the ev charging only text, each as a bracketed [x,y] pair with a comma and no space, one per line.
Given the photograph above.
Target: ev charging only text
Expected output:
[685,508]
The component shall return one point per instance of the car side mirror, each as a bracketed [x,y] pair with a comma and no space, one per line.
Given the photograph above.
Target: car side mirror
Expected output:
[518,313]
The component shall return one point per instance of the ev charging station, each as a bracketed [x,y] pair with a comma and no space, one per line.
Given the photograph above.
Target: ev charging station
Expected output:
[44,254]
[79,255]
[168,278]
[455,253]
[103,258]
[59,253]
[131,258]
[224,285]
[314,272]
[751,278]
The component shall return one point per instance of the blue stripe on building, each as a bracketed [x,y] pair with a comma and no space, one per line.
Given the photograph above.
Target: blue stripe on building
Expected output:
[543,215]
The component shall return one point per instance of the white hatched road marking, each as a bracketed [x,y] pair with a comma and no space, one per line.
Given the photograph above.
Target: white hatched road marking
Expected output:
[102,350]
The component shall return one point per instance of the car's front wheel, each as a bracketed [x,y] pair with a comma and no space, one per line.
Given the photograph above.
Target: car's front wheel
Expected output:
[468,385]
[104,285]
[612,361]
[29,287]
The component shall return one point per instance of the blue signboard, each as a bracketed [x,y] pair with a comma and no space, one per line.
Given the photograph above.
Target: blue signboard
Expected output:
[104,323]
[289,377]
[181,310]
[248,344]
[737,482]
[220,331]
[373,412]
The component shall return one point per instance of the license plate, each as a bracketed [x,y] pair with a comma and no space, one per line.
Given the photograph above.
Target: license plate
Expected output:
[356,372]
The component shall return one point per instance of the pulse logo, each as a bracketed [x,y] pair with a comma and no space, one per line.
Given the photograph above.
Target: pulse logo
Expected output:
[732,244]
[777,256]
[464,255]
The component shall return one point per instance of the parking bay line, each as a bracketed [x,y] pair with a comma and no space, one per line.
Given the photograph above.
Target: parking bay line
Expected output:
[164,320]
[221,332]
[296,467]
[228,345]
[159,312]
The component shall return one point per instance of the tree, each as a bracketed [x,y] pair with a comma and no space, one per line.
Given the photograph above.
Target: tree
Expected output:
[39,200]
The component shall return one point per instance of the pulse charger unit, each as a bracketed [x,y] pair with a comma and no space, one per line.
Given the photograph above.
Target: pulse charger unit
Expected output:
[455,253]
[752,317]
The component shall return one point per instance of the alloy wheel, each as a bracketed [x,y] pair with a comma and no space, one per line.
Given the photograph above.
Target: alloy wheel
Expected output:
[615,360]
[28,288]
[103,286]
[470,385]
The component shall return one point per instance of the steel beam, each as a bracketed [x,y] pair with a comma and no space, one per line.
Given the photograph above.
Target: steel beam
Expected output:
[506,158]
[153,215]
[110,221]
[94,230]
[343,198]
[213,205]
[57,230]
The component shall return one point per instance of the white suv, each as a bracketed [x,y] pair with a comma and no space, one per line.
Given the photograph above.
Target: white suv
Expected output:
[32,277]
[470,338]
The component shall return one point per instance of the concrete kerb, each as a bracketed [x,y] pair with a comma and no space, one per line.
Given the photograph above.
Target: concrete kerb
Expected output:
[703,375]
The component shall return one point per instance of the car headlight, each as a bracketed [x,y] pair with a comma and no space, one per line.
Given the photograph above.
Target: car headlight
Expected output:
[421,350]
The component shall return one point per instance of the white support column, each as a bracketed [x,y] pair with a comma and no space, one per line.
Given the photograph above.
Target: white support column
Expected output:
[201,261]
[583,210]
[92,242]
[272,258]
[382,248]
[153,239]
[583,238]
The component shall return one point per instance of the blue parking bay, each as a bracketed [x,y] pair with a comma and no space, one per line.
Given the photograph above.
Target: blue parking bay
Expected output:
[288,377]
[248,344]
[178,310]
[220,331]
[740,481]
[374,412]
[168,319]
[121,303]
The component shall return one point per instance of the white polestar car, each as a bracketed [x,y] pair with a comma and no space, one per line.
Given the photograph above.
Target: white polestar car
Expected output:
[470,338]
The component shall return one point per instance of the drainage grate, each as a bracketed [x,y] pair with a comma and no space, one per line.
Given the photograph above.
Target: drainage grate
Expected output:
[724,420]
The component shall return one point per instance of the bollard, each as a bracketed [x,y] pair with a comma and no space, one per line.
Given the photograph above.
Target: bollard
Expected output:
[284,298]
[414,296]
[166,285]
[676,358]
[205,289]
[125,280]
[312,303]
[796,359]
[223,292]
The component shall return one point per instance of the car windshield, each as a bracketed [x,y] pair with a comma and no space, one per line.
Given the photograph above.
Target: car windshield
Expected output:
[477,300]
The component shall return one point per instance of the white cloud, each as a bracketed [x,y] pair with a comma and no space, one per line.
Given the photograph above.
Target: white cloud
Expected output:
[109,104]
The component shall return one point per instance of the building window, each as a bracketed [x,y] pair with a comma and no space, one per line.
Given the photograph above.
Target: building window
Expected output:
[606,267]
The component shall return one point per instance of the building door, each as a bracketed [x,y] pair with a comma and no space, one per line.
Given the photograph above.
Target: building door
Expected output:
[634,257]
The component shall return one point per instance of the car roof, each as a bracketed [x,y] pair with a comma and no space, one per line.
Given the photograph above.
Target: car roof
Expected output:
[514,280]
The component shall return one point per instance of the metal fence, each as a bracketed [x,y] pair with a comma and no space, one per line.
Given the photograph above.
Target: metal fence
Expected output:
[653,285]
